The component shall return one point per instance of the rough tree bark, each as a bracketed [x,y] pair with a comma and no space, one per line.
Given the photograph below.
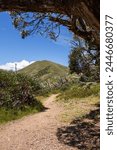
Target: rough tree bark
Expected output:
[88,10]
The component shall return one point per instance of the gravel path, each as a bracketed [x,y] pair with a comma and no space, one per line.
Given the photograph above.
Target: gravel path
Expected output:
[35,132]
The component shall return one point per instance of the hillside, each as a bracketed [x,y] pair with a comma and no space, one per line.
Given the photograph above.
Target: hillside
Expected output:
[49,74]
[44,67]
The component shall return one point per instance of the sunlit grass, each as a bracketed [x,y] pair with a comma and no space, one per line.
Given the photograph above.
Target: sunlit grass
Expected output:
[11,114]
[78,100]
[77,108]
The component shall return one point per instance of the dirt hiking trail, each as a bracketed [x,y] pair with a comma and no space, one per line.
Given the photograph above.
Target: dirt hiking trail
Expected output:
[34,132]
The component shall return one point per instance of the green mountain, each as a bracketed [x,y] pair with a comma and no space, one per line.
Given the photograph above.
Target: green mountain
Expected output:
[46,72]
[42,68]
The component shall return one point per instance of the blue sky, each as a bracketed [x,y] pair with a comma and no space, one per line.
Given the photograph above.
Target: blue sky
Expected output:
[14,49]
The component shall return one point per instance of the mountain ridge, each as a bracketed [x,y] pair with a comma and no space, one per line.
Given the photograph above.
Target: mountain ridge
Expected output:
[48,66]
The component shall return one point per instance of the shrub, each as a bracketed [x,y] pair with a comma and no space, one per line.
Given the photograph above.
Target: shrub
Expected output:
[16,91]
[80,91]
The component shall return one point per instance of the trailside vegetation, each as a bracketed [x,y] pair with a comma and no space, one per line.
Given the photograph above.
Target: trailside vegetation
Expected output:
[17,96]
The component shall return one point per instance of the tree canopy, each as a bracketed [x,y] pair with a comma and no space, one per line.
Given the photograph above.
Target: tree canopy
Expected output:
[85,61]
[82,17]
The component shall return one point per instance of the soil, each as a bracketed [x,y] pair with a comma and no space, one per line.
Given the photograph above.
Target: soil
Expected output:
[35,132]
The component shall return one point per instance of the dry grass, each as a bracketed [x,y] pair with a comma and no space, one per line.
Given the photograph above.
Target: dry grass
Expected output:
[74,108]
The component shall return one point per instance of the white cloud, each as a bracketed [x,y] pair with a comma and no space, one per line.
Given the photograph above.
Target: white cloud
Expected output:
[20,65]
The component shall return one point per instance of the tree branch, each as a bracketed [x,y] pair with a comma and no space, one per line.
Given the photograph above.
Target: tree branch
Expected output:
[89,11]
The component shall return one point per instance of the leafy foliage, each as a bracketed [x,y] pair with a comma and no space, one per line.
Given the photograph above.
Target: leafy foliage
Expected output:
[80,91]
[36,23]
[85,60]
[16,91]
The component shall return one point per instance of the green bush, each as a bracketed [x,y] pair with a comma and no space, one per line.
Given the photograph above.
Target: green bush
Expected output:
[17,90]
[80,91]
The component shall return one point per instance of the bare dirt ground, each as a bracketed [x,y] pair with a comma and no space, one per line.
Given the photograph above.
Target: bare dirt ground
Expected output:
[35,132]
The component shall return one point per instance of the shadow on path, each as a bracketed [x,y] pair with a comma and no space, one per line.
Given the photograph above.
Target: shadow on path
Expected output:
[45,109]
[83,134]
